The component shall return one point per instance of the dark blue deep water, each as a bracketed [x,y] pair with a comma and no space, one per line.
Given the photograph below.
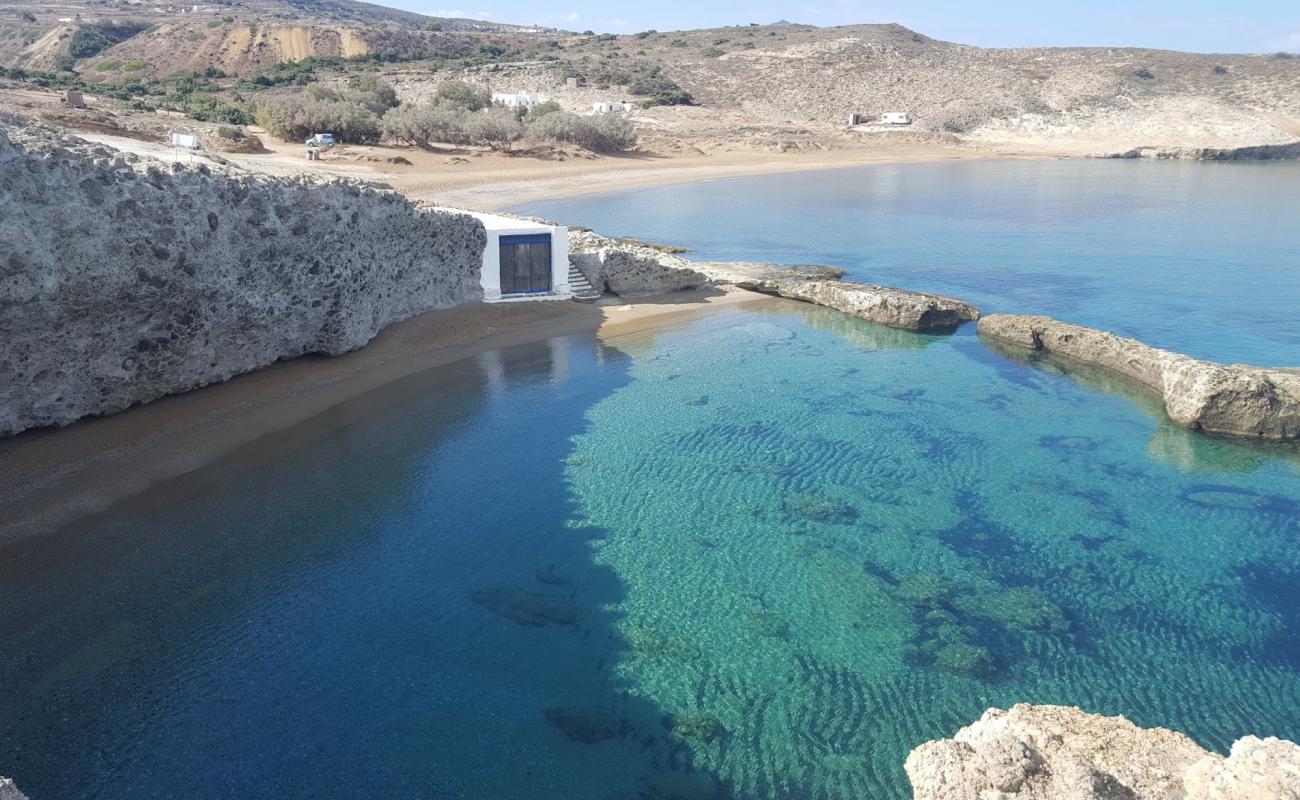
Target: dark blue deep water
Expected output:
[761,554]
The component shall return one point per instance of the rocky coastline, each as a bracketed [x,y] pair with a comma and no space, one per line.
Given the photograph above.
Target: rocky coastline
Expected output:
[1231,400]
[1059,753]
[634,268]
[1260,152]
[124,279]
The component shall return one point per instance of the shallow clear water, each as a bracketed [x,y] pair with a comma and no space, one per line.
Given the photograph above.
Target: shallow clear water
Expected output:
[1199,258]
[763,555]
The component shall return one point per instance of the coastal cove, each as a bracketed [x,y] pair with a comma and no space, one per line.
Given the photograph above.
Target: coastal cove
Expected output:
[707,545]
[861,538]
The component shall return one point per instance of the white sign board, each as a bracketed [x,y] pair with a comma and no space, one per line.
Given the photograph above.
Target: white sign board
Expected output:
[186,140]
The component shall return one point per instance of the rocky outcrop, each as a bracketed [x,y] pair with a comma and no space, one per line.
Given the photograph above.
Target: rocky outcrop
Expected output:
[1263,152]
[896,308]
[630,269]
[634,268]
[1059,753]
[124,279]
[1235,400]
[8,791]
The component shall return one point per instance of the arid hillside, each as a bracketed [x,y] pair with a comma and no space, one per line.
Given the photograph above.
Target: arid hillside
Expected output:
[822,75]
[754,86]
[131,40]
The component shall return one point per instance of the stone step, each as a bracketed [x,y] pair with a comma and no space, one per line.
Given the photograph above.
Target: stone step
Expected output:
[582,289]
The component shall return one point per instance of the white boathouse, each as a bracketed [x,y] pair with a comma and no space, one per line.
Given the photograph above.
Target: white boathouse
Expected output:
[524,260]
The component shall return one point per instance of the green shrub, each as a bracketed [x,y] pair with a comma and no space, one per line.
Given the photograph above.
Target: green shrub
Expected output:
[88,40]
[134,66]
[458,94]
[679,43]
[1145,74]
[215,23]
[608,133]
[425,125]
[542,109]
[373,92]
[431,25]
[231,133]
[1220,70]
[497,128]
[108,65]
[299,116]
[723,40]
[711,52]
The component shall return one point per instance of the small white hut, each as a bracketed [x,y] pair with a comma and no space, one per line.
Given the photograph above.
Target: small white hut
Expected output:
[524,260]
[610,107]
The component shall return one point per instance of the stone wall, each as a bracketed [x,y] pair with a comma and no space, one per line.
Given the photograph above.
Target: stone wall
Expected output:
[125,279]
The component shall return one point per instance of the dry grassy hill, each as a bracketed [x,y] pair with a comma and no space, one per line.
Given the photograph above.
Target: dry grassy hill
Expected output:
[821,75]
[804,78]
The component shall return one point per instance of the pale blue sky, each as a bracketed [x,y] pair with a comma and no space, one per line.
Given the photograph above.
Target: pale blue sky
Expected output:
[1198,25]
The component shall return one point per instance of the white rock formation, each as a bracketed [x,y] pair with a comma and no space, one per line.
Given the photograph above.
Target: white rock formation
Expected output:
[8,791]
[123,280]
[1235,400]
[1059,753]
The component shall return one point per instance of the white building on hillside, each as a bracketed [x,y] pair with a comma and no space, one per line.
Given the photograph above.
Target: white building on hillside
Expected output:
[608,107]
[517,99]
[896,118]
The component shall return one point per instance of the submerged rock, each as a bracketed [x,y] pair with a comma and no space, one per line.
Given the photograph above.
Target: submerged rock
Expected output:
[1236,400]
[527,607]
[1058,753]
[123,280]
[819,508]
[8,791]
[697,727]
[586,725]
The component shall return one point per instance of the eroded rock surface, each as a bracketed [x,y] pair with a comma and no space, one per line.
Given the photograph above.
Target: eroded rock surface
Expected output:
[630,269]
[1236,400]
[125,279]
[896,308]
[8,791]
[634,268]
[1059,753]
[1262,152]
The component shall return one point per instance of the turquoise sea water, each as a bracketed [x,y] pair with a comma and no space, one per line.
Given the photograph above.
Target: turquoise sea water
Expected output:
[1199,258]
[760,555]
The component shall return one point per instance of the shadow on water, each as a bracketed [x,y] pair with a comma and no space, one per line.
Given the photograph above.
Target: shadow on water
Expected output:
[391,600]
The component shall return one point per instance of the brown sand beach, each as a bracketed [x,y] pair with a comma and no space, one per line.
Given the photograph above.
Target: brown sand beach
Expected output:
[52,477]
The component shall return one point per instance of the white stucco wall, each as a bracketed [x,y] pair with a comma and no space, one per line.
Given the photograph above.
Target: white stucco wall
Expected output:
[498,226]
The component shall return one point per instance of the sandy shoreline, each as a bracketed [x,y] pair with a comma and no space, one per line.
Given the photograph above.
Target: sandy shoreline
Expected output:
[492,181]
[51,478]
